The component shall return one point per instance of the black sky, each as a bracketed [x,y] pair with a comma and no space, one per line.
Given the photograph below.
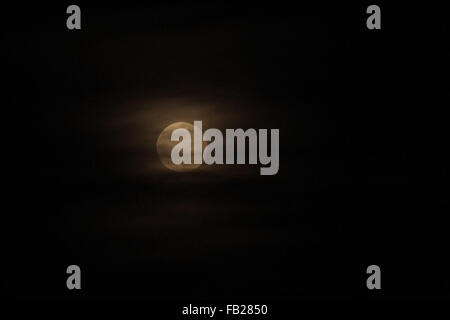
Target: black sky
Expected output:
[363,160]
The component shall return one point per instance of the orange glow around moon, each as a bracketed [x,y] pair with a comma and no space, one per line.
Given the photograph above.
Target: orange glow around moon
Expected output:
[164,147]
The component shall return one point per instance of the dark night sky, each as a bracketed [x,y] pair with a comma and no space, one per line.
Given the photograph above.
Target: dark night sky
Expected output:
[363,160]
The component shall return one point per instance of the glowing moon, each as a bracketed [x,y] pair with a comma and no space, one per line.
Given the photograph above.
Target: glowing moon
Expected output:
[164,147]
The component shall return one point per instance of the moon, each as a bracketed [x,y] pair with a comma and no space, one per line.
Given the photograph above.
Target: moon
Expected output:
[164,147]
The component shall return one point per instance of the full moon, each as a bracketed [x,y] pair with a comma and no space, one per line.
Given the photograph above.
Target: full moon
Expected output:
[164,147]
